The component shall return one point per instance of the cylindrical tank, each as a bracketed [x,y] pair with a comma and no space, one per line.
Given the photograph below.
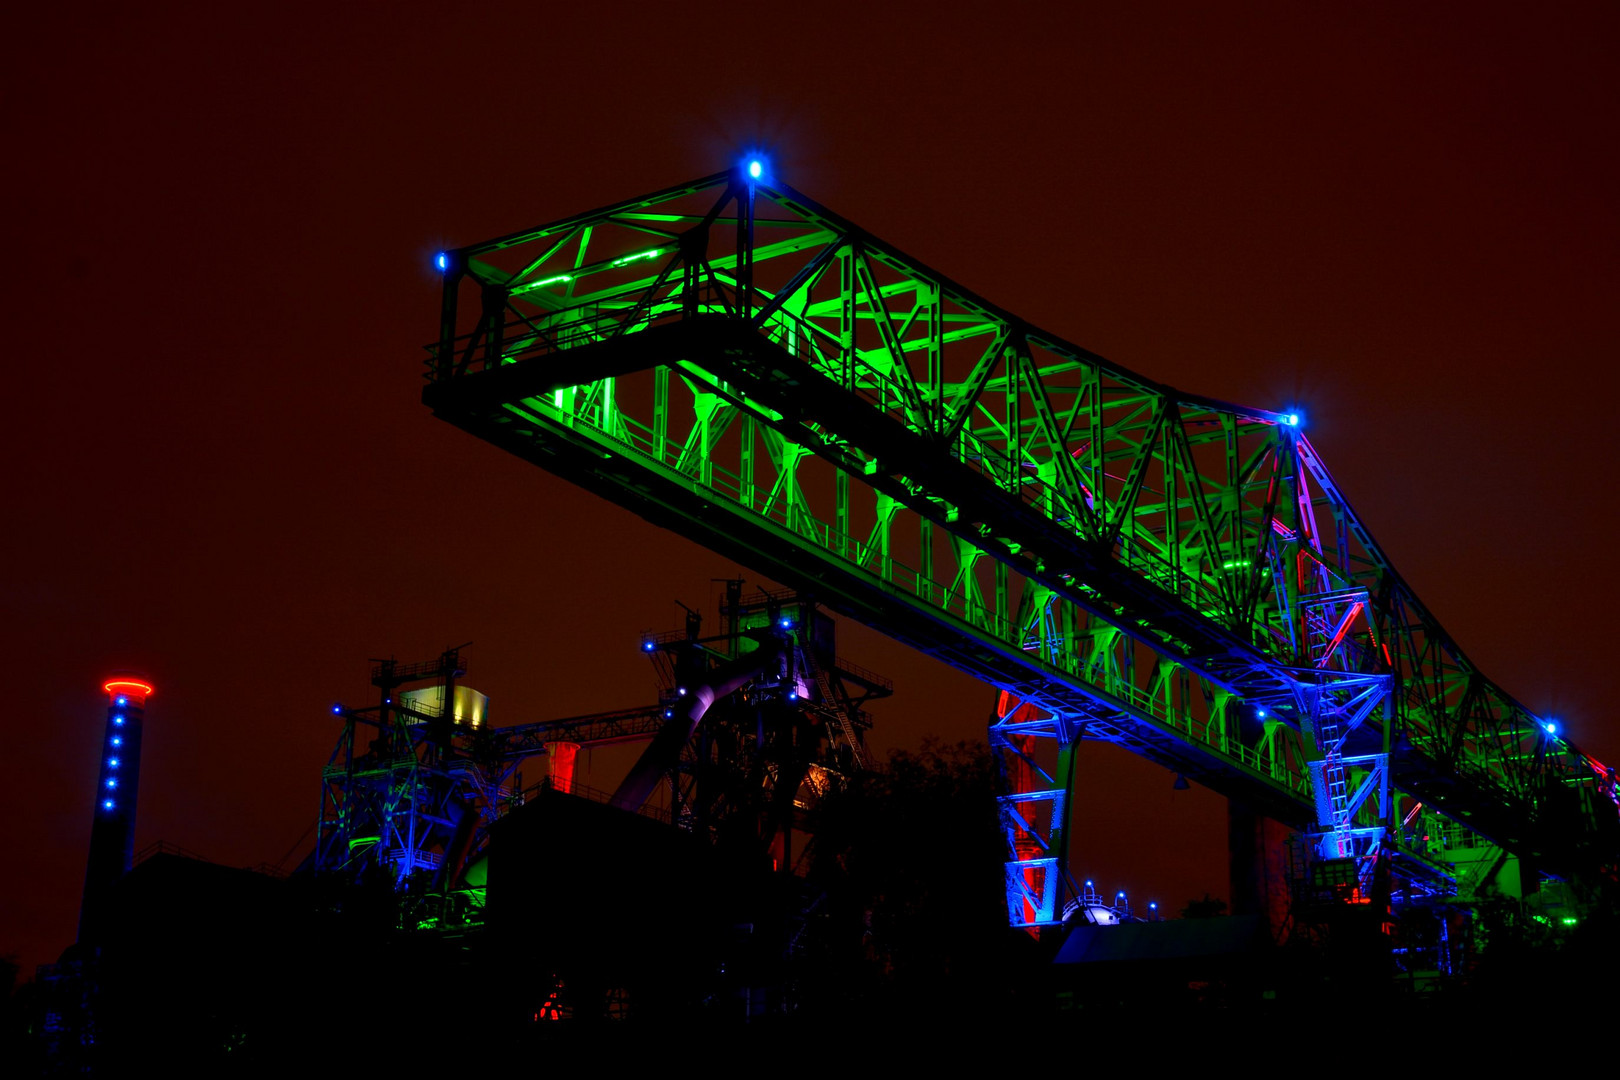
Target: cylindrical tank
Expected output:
[560,762]
[470,709]
[112,822]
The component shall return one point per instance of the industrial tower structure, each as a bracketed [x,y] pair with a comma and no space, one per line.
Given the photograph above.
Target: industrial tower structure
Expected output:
[1124,560]
[414,785]
[112,823]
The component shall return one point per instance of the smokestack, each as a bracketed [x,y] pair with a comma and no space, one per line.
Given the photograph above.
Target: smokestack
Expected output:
[560,757]
[112,824]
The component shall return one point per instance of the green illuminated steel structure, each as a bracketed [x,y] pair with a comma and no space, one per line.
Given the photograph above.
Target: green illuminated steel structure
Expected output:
[1128,561]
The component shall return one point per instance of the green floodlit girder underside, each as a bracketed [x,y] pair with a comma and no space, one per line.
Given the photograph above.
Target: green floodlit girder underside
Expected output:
[834,414]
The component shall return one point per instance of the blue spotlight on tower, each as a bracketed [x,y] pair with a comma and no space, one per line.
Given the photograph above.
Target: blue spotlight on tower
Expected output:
[756,168]
[442,261]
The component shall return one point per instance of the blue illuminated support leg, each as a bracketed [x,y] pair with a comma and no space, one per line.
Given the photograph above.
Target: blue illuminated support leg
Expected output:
[1348,760]
[1035,750]
[1347,756]
[1343,683]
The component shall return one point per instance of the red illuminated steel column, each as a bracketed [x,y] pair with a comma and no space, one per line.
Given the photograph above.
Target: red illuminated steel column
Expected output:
[561,756]
[112,824]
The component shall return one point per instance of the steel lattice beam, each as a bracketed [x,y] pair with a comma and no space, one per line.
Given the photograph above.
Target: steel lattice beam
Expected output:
[734,362]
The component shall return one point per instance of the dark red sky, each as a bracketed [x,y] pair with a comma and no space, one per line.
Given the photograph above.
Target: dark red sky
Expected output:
[217,231]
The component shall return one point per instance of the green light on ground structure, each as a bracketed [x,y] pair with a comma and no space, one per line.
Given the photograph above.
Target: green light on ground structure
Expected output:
[1570,920]
[1234,563]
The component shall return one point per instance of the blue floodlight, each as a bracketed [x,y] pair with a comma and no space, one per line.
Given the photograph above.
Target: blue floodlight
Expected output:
[681,690]
[112,782]
[1088,883]
[442,261]
[668,713]
[337,708]
[1551,727]
[793,695]
[1292,419]
[648,646]
[106,804]
[756,168]
[122,700]
[112,763]
[118,721]
[1153,905]
[118,740]
[787,623]
[1261,713]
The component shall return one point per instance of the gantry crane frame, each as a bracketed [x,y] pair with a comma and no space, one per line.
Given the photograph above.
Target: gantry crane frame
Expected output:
[1177,574]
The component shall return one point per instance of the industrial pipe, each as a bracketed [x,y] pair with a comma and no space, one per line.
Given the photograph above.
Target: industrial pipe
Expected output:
[461,841]
[665,749]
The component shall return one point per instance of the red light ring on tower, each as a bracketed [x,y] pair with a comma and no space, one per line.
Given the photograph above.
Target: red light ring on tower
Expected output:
[130,687]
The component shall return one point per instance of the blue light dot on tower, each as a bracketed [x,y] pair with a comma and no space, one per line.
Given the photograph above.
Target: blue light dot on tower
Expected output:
[755,169]
[442,261]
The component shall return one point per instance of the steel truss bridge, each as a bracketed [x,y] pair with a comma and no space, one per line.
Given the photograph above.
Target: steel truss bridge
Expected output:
[1125,560]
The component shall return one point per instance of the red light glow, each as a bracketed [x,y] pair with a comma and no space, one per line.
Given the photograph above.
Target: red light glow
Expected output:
[128,687]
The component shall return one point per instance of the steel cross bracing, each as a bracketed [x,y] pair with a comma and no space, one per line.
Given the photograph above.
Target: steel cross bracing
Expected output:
[396,799]
[1173,573]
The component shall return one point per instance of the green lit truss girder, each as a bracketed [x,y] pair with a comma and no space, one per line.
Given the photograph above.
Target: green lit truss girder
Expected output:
[1166,571]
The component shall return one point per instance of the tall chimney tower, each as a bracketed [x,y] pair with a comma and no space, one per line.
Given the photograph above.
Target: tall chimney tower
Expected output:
[112,827]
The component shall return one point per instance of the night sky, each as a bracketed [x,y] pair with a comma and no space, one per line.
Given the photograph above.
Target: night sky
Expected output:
[217,239]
